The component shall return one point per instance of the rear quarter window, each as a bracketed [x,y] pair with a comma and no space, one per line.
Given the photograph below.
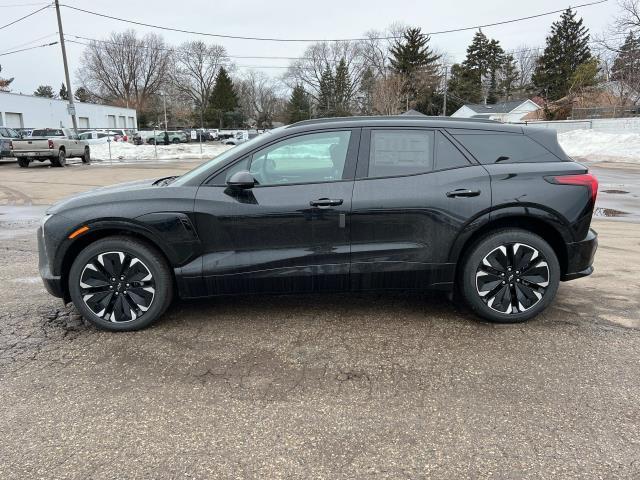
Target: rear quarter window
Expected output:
[494,147]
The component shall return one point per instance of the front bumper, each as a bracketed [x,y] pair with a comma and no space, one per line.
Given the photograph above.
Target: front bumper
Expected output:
[52,283]
[580,257]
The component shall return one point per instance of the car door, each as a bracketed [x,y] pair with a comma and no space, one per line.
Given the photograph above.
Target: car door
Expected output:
[414,192]
[290,232]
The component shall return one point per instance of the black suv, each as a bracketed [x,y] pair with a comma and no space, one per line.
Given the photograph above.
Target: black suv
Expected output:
[405,203]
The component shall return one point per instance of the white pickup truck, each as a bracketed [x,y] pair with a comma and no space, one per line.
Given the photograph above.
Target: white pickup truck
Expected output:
[54,144]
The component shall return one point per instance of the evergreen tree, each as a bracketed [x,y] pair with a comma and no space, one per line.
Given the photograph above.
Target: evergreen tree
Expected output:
[298,107]
[626,66]
[326,106]
[224,101]
[63,94]
[44,91]
[367,85]
[413,59]
[464,87]
[5,82]
[342,90]
[567,48]
[82,95]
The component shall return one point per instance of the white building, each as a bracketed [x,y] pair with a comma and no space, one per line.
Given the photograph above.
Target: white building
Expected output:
[27,111]
[513,111]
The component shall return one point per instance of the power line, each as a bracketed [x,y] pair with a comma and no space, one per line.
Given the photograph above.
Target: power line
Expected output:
[29,48]
[29,43]
[26,16]
[268,39]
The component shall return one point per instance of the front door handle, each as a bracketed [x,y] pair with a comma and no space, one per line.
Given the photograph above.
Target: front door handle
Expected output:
[326,202]
[463,192]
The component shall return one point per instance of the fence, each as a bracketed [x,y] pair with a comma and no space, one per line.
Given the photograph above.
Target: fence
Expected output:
[607,125]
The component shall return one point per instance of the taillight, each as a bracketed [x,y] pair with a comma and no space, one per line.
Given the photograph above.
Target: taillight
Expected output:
[51,144]
[585,180]
[11,145]
[126,138]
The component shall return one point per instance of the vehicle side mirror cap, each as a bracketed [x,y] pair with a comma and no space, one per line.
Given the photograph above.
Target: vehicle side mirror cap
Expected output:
[242,179]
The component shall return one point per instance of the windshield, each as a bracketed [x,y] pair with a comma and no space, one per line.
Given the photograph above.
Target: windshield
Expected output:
[244,147]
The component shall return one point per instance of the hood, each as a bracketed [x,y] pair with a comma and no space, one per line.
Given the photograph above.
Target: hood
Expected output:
[101,194]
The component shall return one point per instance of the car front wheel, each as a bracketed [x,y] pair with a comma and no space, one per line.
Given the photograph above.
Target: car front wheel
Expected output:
[510,276]
[120,284]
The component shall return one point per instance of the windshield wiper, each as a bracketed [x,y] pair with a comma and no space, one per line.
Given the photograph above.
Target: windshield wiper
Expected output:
[165,180]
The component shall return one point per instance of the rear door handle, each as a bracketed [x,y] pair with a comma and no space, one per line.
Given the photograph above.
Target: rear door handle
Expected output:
[463,192]
[326,202]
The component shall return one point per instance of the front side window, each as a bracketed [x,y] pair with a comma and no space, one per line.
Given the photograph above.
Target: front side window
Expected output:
[400,152]
[310,158]
[504,148]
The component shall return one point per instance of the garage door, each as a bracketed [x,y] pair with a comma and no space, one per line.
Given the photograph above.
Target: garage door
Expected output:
[13,120]
[111,121]
[83,122]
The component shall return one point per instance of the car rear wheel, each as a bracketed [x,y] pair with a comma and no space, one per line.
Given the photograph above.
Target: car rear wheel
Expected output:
[510,276]
[60,160]
[120,284]
[86,157]
[23,162]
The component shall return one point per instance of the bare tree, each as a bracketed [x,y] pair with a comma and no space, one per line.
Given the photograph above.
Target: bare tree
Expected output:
[194,69]
[261,98]
[629,18]
[125,69]
[526,59]
[307,71]
[388,96]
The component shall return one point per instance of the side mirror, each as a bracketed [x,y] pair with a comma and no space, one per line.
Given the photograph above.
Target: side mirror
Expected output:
[242,179]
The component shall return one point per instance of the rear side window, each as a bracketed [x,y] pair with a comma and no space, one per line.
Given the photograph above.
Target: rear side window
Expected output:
[494,147]
[400,152]
[447,154]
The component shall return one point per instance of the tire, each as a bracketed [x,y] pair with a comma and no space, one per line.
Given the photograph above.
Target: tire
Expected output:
[23,162]
[60,160]
[175,140]
[86,157]
[151,141]
[510,276]
[146,296]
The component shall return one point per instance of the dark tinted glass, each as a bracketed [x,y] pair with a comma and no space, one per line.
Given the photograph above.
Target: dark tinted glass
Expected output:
[505,148]
[447,155]
[400,152]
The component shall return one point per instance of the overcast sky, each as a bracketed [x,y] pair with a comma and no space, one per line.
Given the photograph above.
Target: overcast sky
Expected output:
[276,18]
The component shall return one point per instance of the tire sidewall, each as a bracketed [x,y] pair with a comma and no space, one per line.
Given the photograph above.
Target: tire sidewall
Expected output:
[148,256]
[489,243]
[86,158]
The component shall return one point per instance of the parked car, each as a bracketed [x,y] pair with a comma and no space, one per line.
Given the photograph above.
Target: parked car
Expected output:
[239,137]
[97,137]
[121,135]
[496,212]
[174,137]
[7,135]
[54,144]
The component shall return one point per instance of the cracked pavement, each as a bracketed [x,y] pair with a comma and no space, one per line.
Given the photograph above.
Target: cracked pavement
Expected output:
[331,386]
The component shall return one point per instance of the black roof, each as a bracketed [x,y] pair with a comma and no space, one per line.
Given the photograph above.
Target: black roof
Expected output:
[404,120]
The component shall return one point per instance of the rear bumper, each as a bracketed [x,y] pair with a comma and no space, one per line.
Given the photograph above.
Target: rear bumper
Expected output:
[580,257]
[52,283]
[34,153]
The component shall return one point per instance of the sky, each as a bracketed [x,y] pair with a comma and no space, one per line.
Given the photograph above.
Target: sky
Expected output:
[276,18]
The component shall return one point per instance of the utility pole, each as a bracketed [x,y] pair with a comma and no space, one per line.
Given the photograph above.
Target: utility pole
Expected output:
[71,107]
[446,87]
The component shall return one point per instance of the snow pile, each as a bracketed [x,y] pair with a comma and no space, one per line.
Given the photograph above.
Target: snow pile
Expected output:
[592,145]
[178,151]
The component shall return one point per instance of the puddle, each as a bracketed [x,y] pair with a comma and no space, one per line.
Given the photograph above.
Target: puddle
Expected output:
[608,212]
[615,191]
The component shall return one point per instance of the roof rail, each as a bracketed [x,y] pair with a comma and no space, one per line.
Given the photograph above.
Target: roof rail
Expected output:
[389,117]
